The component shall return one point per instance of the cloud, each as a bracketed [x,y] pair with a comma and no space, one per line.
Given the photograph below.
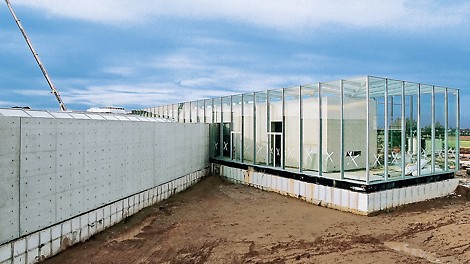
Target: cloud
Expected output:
[6,104]
[276,14]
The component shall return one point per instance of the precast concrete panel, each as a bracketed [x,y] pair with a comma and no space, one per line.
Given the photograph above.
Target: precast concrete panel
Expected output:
[9,177]
[69,166]
[37,213]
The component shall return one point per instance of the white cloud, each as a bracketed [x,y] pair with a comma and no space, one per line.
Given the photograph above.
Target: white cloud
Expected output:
[7,104]
[278,14]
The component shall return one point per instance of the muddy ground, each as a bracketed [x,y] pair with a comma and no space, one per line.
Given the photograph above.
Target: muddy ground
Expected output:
[218,222]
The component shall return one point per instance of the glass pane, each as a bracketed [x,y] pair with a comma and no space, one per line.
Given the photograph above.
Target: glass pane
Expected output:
[248,128]
[214,148]
[331,129]
[200,111]
[292,127]
[180,112]
[355,129]
[377,129]
[426,129]
[395,162]
[453,132]
[187,112]
[439,127]
[411,128]
[310,128]
[226,126]
[275,128]
[236,130]
[261,129]
[208,112]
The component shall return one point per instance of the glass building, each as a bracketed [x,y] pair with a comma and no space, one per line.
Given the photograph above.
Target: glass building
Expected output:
[364,130]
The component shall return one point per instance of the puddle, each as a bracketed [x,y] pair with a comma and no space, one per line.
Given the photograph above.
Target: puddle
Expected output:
[405,248]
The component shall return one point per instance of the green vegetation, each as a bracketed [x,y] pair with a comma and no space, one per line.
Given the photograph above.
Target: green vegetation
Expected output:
[464,143]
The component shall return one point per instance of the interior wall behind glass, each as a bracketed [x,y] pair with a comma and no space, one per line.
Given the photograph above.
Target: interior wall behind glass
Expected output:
[310,128]
[226,126]
[292,127]
[248,128]
[217,142]
[355,130]
[261,129]
[236,133]
[331,129]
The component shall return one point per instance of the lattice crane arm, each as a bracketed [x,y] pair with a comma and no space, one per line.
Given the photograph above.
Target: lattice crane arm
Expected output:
[36,56]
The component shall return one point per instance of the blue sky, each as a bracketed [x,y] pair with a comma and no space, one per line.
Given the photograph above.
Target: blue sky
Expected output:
[145,53]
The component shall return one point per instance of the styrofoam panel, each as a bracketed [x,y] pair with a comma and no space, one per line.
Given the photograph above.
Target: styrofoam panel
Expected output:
[45,236]
[395,197]
[322,192]
[66,228]
[5,252]
[408,195]
[32,256]
[32,241]
[19,247]
[421,192]
[402,196]
[274,183]
[345,198]
[336,196]
[55,246]
[353,200]
[302,189]
[45,250]
[284,185]
[328,194]
[21,259]
[295,187]
[383,199]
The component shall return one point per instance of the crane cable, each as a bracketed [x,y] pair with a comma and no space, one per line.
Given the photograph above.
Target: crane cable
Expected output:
[36,56]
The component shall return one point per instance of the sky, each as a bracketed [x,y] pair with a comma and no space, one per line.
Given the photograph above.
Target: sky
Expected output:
[138,54]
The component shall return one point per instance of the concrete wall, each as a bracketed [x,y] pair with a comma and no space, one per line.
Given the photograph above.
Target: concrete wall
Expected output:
[52,170]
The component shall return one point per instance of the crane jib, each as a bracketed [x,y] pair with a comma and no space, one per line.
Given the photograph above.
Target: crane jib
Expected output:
[36,56]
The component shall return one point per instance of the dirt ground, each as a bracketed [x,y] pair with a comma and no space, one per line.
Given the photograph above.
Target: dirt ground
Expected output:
[219,222]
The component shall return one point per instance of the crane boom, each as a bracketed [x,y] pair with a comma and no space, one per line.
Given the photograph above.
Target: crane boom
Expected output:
[36,56]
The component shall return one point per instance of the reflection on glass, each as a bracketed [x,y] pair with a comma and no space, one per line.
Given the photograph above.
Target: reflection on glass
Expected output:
[292,128]
[236,130]
[355,129]
[453,132]
[261,150]
[311,152]
[248,128]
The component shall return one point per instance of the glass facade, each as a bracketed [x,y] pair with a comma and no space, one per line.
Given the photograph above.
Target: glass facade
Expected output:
[366,129]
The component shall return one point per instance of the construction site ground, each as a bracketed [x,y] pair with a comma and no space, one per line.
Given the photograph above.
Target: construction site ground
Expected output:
[218,222]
